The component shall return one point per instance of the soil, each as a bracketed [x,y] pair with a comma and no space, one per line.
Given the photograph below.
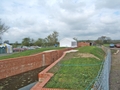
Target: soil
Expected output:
[115,71]
[77,54]
[87,55]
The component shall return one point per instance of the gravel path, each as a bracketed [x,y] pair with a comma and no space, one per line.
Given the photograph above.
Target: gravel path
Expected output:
[115,72]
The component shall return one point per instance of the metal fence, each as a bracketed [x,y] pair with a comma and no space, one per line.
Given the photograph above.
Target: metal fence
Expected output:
[102,80]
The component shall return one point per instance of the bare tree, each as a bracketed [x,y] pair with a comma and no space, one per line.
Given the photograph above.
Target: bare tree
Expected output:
[3,27]
[75,39]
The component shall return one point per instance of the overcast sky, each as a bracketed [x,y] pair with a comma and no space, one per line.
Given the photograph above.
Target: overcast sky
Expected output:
[82,19]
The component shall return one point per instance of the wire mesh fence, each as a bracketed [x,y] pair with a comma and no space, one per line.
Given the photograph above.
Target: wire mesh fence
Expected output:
[80,73]
[74,73]
[101,82]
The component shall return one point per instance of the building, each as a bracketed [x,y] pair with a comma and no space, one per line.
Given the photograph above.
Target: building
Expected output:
[80,44]
[5,48]
[68,42]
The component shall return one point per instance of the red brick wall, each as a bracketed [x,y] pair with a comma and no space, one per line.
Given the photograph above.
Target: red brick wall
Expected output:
[44,76]
[83,44]
[13,66]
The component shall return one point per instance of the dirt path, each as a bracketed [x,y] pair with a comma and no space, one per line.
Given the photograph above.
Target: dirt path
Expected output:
[115,72]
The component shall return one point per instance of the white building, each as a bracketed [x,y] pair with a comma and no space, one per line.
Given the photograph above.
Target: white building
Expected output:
[68,42]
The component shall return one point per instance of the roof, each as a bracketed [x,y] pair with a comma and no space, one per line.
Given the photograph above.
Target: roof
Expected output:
[69,39]
[5,44]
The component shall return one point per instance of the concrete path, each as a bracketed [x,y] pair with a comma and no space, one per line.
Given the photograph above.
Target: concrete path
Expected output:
[115,72]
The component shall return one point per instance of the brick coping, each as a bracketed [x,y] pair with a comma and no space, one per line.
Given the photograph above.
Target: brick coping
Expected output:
[44,77]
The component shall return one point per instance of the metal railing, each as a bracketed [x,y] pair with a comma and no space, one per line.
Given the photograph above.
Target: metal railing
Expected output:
[102,80]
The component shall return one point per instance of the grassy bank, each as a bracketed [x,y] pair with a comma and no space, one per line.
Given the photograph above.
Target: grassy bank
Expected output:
[98,52]
[75,71]
[27,53]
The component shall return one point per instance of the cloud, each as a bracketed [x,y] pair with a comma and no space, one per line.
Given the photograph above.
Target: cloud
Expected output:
[70,18]
[111,4]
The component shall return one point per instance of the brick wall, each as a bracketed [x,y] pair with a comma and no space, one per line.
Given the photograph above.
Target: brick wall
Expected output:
[13,66]
[44,76]
[80,44]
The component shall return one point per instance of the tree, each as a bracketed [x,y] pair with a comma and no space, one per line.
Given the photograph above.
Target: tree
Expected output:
[52,39]
[0,40]
[26,41]
[75,39]
[15,44]
[3,27]
[103,40]
[39,42]
[6,41]
[32,41]
[55,37]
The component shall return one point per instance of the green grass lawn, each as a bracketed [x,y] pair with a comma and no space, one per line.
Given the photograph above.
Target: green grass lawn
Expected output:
[75,72]
[27,52]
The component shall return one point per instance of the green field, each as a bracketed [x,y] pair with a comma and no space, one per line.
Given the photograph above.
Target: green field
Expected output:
[27,53]
[76,72]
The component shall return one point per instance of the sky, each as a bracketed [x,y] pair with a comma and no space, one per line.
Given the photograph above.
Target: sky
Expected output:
[81,19]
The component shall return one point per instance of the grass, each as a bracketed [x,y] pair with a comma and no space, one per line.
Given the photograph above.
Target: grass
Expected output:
[106,45]
[27,53]
[98,52]
[75,72]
